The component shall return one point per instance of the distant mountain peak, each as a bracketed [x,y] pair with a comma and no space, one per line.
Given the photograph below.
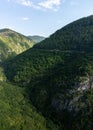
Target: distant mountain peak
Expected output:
[13,43]
[36,38]
[6,31]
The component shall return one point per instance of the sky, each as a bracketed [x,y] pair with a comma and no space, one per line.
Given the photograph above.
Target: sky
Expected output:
[41,17]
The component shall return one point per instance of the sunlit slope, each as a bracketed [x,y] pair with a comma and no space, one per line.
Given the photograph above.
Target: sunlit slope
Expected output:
[12,43]
[16,113]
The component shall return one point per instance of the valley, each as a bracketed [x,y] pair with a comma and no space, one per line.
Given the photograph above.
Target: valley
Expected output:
[48,85]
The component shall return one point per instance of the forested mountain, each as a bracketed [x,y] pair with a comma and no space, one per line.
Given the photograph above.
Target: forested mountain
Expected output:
[57,77]
[76,36]
[17,113]
[59,85]
[12,43]
[37,38]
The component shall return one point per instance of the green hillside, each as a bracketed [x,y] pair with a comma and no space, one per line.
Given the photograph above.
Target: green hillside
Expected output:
[56,83]
[77,36]
[57,75]
[17,113]
[37,38]
[12,43]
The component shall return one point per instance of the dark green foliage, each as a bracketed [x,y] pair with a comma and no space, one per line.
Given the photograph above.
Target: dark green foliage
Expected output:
[77,36]
[49,76]
[57,75]
[31,64]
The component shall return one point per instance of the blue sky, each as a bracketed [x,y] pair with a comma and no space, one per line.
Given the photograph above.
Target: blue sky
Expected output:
[41,17]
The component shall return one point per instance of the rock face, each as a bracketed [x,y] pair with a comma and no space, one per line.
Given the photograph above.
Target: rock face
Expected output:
[71,103]
[86,84]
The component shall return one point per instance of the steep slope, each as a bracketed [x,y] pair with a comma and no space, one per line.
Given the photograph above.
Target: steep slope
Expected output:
[12,43]
[75,36]
[59,84]
[59,80]
[37,38]
[16,113]
[30,64]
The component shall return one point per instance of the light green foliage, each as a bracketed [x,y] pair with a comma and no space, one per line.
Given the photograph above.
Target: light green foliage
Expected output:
[2,75]
[16,113]
[12,43]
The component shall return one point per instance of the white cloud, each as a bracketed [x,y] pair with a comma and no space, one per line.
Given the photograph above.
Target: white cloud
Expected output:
[25,18]
[46,4]
[50,4]
[22,2]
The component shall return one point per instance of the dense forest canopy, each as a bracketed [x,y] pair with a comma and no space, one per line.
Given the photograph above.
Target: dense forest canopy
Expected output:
[55,80]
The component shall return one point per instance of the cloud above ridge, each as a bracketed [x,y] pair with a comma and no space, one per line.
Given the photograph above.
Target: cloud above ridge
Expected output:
[41,5]
[50,4]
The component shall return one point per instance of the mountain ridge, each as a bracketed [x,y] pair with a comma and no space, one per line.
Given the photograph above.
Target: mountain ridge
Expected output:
[74,36]
[57,75]
[13,43]
[36,38]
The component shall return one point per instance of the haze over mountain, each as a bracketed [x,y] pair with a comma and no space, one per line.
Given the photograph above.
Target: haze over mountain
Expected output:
[13,43]
[37,38]
[57,75]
